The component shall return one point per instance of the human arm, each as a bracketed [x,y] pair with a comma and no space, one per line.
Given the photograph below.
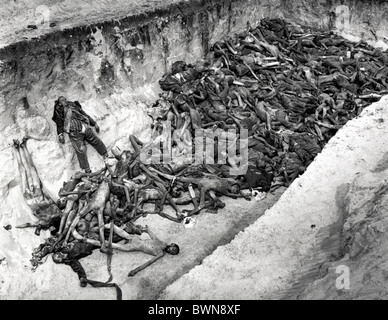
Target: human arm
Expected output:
[201,90]
[59,119]
[145,265]
[201,95]
[120,232]
[178,115]
[215,84]
[152,235]
[92,122]
[79,270]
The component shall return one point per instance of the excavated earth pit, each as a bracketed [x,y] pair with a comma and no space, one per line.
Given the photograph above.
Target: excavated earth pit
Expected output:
[111,63]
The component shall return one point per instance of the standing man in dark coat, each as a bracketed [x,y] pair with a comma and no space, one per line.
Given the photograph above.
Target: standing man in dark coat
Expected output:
[71,119]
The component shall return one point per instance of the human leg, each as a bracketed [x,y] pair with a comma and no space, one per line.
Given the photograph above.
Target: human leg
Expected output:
[78,142]
[128,247]
[95,142]
[31,168]
[26,170]
[22,170]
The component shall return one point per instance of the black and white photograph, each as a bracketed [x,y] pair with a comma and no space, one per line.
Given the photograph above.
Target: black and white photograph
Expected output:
[193,154]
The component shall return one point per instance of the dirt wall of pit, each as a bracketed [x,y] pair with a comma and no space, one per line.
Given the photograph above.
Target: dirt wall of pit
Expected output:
[112,67]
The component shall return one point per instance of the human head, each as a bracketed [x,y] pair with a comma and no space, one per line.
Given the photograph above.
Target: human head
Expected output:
[202,65]
[178,66]
[188,89]
[126,156]
[167,95]
[62,100]
[172,249]
[176,192]
[59,257]
[61,202]
[181,98]
[219,75]
[235,188]
[83,227]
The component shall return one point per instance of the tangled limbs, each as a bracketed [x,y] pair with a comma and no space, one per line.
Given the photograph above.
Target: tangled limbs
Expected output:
[291,90]
[98,210]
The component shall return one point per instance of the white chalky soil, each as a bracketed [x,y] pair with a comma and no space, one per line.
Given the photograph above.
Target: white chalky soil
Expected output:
[262,261]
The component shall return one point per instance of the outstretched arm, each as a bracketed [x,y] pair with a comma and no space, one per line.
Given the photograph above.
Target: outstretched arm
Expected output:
[232,195]
[150,233]
[28,225]
[33,137]
[165,215]
[151,175]
[145,265]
